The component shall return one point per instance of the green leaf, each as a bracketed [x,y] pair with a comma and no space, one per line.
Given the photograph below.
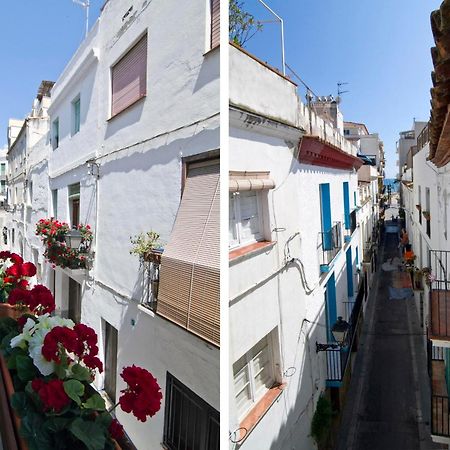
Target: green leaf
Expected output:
[95,402]
[81,373]
[20,402]
[34,433]
[56,424]
[74,389]
[25,368]
[13,354]
[90,433]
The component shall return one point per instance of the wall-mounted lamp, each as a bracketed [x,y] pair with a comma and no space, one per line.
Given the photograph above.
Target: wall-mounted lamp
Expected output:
[339,332]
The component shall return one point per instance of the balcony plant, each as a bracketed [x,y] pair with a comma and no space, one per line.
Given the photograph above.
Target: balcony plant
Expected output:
[426,214]
[15,276]
[52,362]
[147,246]
[53,234]
[419,207]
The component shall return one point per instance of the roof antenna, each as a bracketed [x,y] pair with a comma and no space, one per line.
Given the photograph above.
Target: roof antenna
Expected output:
[85,4]
[340,91]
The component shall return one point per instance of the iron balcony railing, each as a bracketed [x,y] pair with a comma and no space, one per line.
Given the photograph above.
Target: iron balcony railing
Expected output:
[440,417]
[350,225]
[424,137]
[330,243]
[338,359]
[438,277]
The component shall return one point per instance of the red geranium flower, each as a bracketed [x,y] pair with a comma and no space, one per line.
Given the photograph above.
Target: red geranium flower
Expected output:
[42,299]
[59,335]
[16,259]
[52,394]
[143,395]
[116,430]
[15,270]
[5,255]
[28,269]
[19,297]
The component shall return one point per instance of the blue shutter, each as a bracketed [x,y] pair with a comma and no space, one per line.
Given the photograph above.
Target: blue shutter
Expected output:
[348,257]
[331,309]
[346,205]
[325,206]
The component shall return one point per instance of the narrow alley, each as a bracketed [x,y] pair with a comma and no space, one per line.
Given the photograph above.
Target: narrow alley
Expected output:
[385,408]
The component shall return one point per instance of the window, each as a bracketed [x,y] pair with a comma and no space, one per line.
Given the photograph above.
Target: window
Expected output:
[189,276]
[253,376]
[55,134]
[3,169]
[245,218]
[215,23]
[189,422]
[76,115]
[111,338]
[55,203]
[346,132]
[3,187]
[74,310]
[129,77]
[74,204]
[30,192]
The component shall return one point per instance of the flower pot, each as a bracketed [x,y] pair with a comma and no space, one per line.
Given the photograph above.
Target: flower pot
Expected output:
[7,310]
[9,419]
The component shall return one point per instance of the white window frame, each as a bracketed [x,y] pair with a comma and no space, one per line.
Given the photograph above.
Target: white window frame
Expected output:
[76,100]
[55,127]
[255,393]
[239,241]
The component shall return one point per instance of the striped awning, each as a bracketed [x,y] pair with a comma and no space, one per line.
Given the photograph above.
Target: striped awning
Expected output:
[250,181]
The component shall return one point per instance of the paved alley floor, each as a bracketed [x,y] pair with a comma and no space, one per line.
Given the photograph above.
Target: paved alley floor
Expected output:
[385,409]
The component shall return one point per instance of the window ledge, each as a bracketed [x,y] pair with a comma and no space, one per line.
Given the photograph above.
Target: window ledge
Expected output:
[250,250]
[140,99]
[259,411]
[146,310]
[211,50]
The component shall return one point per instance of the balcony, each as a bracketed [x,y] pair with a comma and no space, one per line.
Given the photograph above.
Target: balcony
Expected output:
[352,226]
[330,243]
[439,318]
[339,359]
[440,418]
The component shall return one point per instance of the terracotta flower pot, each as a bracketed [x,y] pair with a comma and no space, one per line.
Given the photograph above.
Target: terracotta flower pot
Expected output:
[12,420]
[7,310]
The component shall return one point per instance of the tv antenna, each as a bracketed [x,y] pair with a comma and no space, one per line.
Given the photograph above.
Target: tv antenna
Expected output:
[340,91]
[85,4]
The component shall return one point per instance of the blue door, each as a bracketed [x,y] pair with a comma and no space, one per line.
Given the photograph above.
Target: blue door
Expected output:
[346,205]
[325,208]
[330,306]
[348,258]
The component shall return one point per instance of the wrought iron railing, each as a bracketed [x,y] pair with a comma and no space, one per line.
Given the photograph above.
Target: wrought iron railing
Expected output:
[151,283]
[439,297]
[338,359]
[330,243]
[348,308]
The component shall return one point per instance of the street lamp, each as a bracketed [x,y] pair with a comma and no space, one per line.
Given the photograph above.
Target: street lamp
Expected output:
[339,332]
[73,239]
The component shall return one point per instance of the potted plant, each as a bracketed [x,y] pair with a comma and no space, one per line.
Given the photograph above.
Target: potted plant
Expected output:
[15,275]
[426,214]
[52,363]
[147,246]
[53,234]
[418,279]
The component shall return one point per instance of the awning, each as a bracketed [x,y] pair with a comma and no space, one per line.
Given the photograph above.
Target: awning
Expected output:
[317,152]
[250,181]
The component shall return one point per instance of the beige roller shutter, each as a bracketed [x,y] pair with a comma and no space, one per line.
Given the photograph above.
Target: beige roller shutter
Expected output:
[190,275]
[129,77]
[215,23]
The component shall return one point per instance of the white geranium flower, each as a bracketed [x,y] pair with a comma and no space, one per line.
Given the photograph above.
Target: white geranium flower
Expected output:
[44,366]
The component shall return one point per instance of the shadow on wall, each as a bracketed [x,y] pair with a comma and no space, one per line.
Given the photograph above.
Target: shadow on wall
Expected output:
[209,71]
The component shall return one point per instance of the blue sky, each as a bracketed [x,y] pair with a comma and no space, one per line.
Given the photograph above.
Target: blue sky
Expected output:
[381,48]
[37,40]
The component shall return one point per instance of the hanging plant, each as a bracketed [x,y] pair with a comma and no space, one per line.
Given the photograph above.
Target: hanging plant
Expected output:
[147,246]
[321,421]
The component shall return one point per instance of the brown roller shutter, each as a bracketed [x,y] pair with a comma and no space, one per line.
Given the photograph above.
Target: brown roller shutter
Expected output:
[215,23]
[129,77]
[190,265]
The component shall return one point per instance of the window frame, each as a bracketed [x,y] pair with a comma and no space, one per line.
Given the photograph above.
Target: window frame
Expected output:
[55,135]
[256,394]
[237,224]
[126,53]
[208,414]
[76,124]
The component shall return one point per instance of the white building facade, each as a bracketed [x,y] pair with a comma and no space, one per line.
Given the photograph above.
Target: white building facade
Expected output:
[295,259]
[133,147]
